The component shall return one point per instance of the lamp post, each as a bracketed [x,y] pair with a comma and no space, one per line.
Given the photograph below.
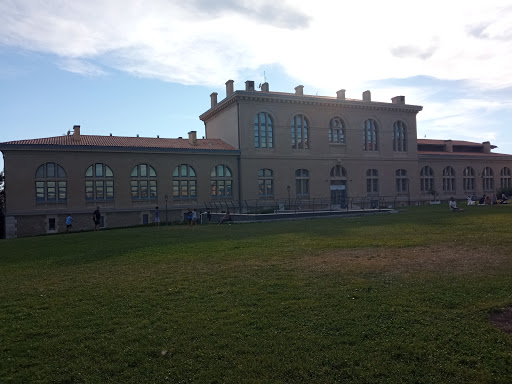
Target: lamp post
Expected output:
[166,217]
[289,200]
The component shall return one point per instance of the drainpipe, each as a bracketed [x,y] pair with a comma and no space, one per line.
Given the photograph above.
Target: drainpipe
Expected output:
[238,158]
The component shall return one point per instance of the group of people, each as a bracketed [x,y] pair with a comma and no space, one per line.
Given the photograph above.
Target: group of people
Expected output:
[484,200]
[488,199]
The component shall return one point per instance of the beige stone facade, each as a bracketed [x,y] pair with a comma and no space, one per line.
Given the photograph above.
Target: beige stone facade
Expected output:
[260,146]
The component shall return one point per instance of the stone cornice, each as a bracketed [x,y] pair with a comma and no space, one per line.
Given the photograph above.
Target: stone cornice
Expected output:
[308,100]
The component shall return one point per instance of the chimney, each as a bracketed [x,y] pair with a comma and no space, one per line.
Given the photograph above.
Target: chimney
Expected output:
[249,85]
[367,96]
[264,87]
[398,100]
[486,147]
[192,137]
[229,87]
[448,146]
[299,90]
[213,98]
[76,133]
[341,94]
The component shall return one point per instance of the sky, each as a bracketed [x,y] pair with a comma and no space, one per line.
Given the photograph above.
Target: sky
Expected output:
[128,67]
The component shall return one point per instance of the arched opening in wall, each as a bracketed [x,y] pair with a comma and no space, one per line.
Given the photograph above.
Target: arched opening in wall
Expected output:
[338,186]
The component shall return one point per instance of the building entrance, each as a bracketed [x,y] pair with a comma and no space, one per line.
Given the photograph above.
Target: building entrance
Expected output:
[339,193]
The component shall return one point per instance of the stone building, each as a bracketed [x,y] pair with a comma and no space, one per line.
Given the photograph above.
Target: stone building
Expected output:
[259,146]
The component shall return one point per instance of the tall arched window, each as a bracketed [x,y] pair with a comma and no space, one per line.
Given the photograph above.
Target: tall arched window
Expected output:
[143,183]
[427,179]
[265,182]
[336,131]
[302,182]
[99,182]
[505,178]
[51,184]
[402,182]
[399,136]
[372,181]
[300,134]
[448,179]
[184,182]
[370,131]
[468,179]
[221,181]
[263,131]
[488,179]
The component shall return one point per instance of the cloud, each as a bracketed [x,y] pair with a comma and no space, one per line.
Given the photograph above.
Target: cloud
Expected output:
[413,52]
[81,67]
[323,43]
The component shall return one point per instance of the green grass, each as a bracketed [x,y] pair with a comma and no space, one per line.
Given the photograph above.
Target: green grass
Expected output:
[391,298]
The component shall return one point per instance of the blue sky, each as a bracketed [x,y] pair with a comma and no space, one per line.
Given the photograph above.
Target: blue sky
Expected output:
[130,67]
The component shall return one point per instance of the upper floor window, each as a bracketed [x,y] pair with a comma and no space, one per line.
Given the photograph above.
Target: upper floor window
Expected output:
[426,179]
[399,136]
[184,182]
[265,182]
[488,179]
[448,179]
[300,132]
[143,182]
[99,183]
[468,179]
[370,131]
[372,181]
[505,178]
[402,182]
[263,131]
[338,172]
[51,184]
[336,131]
[221,181]
[302,182]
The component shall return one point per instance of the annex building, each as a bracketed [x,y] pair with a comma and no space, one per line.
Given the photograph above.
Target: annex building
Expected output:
[259,146]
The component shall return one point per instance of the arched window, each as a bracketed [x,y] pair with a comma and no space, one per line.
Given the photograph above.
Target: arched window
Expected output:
[338,172]
[99,182]
[372,181]
[399,136]
[302,182]
[143,183]
[402,182]
[370,131]
[468,179]
[448,179]
[263,131]
[184,182]
[488,179]
[505,178]
[336,131]
[221,181]
[51,184]
[427,179]
[300,134]
[265,182]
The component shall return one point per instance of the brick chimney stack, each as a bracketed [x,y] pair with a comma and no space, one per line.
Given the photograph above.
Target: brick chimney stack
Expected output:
[76,133]
[192,137]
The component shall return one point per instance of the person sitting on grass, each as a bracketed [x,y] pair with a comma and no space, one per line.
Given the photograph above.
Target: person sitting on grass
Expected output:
[504,199]
[453,205]
[225,218]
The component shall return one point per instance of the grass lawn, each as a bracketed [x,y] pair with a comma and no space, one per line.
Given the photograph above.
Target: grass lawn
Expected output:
[389,298]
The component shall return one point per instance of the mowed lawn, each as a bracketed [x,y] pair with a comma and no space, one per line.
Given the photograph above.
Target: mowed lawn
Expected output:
[387,298]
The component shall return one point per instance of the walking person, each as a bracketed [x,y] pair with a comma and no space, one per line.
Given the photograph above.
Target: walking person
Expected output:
[157,217]
[96,217]
[69,220]
[193,220]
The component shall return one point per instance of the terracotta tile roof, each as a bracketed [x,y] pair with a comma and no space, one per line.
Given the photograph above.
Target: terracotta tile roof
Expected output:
[454,142]
[89,141]
[471,154]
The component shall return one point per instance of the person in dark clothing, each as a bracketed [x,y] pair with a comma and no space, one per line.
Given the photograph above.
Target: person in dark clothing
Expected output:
[96,216]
